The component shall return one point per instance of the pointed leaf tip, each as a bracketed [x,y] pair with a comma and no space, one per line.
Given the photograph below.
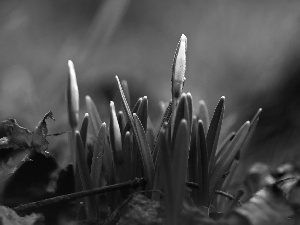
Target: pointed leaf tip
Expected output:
[115,135]
[94,114]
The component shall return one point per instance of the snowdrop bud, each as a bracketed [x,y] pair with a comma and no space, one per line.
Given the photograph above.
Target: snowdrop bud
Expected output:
[72,97]
[179,67]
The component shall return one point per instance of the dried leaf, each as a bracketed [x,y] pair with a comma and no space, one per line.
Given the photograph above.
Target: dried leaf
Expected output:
[39,142]
[10,217]
[267,207]
[19,142]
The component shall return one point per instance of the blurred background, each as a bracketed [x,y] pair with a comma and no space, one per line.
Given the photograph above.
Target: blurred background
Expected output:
[248,51]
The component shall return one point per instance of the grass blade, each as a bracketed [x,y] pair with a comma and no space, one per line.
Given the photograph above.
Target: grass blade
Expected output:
[134,110]
[115,136]
[122,122]
[168,179]
[126,91]
[140,138]
[213,132]
[203,165]
[223,146]
[179,167]
[136,105]
[224,163]
[193,158]
[93,112]
[85,175]
[84,129]
[127,148]
[96,169]
[150,134]
[182,112]
[190,110]
[203,115]
[166,117]
[159,167]
[142,112]
[145,152]
[97,161]
[253,124]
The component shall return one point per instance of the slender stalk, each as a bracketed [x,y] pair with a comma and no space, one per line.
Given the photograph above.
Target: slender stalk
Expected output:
[137,182]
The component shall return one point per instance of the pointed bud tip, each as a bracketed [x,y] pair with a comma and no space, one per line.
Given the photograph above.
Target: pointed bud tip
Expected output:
[183,38]
[112,105]
[70,63]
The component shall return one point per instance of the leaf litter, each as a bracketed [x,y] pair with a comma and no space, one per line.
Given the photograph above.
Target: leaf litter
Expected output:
[19,142]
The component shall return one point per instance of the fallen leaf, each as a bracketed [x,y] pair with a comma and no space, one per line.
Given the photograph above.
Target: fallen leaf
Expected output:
[267,207]
[19,142]
[39,141]
[10,217]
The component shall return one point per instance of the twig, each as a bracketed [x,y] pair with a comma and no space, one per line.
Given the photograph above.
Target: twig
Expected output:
[115,216]
[137,182]
[227,195]
[278,182]
[59,133]
[192,185]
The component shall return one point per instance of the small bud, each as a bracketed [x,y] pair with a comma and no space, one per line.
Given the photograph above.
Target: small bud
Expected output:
[179,67]
[72,97]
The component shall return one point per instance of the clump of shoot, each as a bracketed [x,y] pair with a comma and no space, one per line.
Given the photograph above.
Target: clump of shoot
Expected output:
[184,161]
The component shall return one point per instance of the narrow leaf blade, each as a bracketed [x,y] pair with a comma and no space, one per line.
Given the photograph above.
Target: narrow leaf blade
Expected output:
[213,133]
[93,112]
[145,152]
[203,115]
[224,163]
[179,166]
[84,129]
[85,175]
